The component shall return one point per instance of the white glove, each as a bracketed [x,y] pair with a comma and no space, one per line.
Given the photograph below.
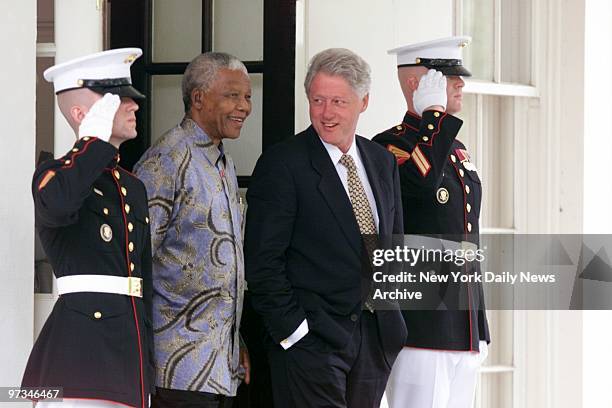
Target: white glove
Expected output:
[98,122]
[431,91]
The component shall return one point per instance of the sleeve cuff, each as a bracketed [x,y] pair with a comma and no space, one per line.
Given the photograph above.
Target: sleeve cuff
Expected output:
[296,336]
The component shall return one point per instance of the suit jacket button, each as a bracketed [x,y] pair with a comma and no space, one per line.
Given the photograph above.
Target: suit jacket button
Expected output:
[98,315]
[354,317]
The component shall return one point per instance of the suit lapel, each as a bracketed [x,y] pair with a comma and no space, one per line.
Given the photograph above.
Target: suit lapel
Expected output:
[333,192]
[375,183]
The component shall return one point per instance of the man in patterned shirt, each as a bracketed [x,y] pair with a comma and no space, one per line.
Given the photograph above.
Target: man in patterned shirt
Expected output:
[198,268]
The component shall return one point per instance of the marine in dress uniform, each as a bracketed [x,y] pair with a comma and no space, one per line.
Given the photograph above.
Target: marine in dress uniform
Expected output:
[92,218]
[441,195]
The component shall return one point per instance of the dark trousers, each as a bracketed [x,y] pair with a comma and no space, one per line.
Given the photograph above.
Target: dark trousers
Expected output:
[312,375]
[167,398]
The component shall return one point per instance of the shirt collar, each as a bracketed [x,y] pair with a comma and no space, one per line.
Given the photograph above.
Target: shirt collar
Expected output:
[213,153]
[335,153]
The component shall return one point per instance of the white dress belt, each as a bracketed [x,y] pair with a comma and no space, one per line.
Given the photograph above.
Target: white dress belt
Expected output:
[120,285]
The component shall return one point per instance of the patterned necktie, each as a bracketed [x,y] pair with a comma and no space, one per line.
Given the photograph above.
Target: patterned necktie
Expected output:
[363,214]
[358,197]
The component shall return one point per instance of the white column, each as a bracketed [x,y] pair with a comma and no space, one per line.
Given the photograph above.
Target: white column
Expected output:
[17,127]
[78,32]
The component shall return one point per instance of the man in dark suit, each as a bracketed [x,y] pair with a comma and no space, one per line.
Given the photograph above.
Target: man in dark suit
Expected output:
[312,200]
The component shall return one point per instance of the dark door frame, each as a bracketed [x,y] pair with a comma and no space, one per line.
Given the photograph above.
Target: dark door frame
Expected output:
[130,26]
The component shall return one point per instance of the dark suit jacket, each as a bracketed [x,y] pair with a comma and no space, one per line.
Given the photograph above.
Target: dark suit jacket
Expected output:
[303,248]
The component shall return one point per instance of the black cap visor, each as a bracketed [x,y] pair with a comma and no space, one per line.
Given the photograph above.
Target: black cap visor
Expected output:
[449,67]
[122,90]
[458,70]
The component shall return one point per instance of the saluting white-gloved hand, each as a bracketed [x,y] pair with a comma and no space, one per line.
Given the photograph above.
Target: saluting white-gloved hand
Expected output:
[98,122]
[431,92]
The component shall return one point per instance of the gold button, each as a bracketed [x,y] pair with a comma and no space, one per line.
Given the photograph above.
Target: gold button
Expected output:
[453,158]
[67,162]
[98,315]
[105,211]
[147,220]
[86,138]
[127,208]
[399,127]
[130,226]
[131,246]
[117,175]
[74,149]
[468,207]
[467,189]
[430,127]
[425,138]
[461,173]
[80,82]
[124,191]
[417,61]
[132,266]
[437,114]
[469,226]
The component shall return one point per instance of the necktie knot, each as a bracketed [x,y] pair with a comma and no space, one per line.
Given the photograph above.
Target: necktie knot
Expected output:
[358,197]
[347,161]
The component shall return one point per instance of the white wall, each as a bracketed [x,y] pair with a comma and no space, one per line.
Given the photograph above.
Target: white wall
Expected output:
[369,28]
[78,32]
[17,107]
[597,189]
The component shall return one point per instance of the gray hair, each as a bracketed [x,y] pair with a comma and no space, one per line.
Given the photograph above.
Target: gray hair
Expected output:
[344,63]
[202,71]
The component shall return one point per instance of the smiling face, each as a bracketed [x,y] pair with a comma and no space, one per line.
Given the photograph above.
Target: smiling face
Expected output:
[334,109]
[222,109]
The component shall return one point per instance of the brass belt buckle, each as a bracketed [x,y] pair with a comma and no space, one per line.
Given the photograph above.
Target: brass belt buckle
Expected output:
[135,286]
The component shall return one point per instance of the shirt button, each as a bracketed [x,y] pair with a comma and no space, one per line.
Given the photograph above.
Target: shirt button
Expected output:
[354,317]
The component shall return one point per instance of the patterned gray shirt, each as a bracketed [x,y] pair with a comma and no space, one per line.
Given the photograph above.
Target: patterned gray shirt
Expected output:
[198,264]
